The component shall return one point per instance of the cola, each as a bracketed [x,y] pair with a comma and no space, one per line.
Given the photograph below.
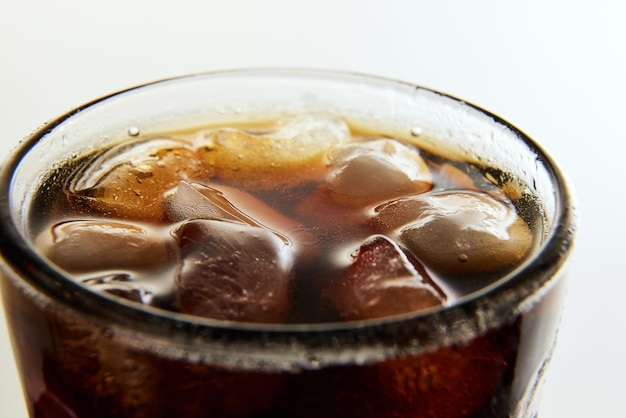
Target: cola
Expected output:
[301,266]
[213,223]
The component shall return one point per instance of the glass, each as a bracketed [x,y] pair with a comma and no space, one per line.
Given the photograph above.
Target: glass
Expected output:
[86,354]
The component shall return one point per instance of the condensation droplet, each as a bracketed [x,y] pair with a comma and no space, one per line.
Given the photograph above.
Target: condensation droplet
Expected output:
[314,362]
[463,258]
[133,131]
[416,131]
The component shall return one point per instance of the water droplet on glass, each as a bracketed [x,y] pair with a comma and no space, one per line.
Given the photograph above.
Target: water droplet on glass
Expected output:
[416,131]
[463,257]
[314,362]
[133,131]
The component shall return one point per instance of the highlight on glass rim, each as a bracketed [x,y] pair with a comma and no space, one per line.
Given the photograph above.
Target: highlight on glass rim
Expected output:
[282,243]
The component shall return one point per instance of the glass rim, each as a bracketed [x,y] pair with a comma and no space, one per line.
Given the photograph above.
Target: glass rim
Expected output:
[495,300]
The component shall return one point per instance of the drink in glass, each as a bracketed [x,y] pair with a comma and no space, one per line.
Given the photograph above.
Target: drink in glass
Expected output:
[277,243]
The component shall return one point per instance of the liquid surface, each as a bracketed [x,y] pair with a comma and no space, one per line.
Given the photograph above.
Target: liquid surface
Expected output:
[304,220]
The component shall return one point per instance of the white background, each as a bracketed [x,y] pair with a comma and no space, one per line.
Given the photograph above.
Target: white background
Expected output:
[554,68]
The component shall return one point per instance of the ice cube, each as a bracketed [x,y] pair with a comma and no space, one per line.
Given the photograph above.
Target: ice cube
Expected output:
[100,245]
[233,271]
[200,202]
[457,233]
[382,282]
[310,134]
[129,180]
[452,177]
[292,152]
[219,202]
[324,217]
[121,285]
[375,171]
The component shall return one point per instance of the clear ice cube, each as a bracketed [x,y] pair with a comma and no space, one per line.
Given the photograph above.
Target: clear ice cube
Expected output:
[121,285]
[200,202]
[293,151]
[102,245]
[382,282]
[375,171]
[219,202]
[457,233]
[233,271]
[327,219]
[452,177]
[130,179]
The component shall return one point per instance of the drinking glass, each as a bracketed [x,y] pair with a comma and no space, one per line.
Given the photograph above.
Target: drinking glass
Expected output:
[87,354]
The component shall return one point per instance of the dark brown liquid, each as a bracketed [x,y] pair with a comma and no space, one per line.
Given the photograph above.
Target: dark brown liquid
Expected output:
[325,233]
[75,367]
